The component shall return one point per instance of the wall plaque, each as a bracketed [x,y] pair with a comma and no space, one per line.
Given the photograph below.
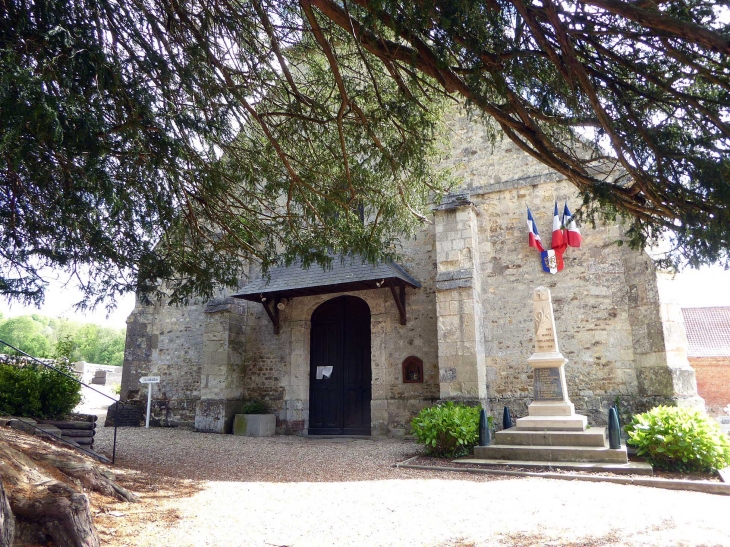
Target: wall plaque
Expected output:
[548,386]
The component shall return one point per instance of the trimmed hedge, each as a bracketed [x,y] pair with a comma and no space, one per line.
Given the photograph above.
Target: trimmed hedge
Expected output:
[34,391]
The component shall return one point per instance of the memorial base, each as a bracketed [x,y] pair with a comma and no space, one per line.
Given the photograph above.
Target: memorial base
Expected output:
[576,422]
[553,432]
[550,447]
[551,408]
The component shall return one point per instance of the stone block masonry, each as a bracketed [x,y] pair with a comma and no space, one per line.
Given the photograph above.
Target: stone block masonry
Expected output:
[462,372]
[466,323]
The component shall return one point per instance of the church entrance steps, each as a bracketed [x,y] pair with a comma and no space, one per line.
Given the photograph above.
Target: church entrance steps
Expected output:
[630,468]
[595,436]
[593,454]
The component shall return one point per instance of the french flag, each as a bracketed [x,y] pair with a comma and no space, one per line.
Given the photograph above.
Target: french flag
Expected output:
[534,237]
[559,244]
[572,234]
[552,261]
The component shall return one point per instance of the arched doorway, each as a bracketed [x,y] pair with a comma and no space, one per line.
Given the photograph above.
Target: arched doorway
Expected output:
[339,368]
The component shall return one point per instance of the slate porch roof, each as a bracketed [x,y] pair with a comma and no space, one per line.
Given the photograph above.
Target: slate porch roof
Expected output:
[348,274]
[708,331]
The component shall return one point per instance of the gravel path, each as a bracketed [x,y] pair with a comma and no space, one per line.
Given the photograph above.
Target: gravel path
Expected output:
[292,491]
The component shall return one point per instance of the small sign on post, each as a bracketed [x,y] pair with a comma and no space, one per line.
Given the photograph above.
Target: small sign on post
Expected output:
[149,380]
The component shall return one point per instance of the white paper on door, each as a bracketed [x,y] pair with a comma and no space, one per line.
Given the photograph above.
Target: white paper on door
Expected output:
[324,373]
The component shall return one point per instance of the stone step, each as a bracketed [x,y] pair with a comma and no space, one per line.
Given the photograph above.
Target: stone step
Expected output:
[23,424]
[631,468]
[595,436]
[551,453]
[60,424]
[52,430]
[80,440]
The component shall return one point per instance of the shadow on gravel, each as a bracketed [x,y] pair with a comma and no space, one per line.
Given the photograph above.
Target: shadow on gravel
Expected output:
[178,453]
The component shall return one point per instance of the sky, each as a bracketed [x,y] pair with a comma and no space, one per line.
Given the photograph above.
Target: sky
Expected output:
[708,286]
[60,302]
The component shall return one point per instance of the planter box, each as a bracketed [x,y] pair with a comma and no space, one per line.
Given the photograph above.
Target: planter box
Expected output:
[254,425]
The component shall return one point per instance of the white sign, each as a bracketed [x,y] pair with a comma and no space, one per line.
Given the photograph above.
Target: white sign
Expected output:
[149,380]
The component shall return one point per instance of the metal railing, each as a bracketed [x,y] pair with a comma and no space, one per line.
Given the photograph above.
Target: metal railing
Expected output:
[57,371]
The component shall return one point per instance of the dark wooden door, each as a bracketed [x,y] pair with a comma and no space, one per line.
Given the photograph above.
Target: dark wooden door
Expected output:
[340,338]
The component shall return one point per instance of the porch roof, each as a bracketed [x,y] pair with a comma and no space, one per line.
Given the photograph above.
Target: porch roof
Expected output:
[351,273]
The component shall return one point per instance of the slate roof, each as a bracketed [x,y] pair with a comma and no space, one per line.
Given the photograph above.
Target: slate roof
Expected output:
[348,274]
[708,331]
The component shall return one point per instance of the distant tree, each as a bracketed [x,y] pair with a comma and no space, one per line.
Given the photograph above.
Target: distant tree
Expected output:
[153,144]
[41,336]
[65,348]
[27,335]
[96,344]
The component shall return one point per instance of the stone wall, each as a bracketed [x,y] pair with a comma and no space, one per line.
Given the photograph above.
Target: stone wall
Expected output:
[713,382]
[470,322]
[165,341]
[621,342]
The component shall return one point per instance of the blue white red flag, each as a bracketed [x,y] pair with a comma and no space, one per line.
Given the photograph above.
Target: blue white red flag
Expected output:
[558,242]
[533,237]
[552,261]
[572,234]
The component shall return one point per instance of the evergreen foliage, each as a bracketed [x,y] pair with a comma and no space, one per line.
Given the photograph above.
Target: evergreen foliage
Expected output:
[35,391]
[157,146]
[448,429]
[679,439]
[255,407]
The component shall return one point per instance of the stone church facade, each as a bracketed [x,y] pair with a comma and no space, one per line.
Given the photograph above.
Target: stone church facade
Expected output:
[450,321]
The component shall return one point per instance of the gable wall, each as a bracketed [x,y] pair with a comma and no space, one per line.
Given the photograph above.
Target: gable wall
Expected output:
[606,301]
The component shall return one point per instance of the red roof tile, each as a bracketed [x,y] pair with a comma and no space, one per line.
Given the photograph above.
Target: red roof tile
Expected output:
[708,331]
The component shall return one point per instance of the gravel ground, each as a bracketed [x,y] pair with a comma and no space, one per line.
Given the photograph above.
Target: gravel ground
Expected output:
[220,490]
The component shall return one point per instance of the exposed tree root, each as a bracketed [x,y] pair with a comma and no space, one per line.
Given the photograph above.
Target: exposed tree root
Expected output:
[44,485]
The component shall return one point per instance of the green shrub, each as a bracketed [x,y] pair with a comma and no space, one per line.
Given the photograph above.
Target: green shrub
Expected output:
[35,391]
[255,407]
[679,439]
[448,429]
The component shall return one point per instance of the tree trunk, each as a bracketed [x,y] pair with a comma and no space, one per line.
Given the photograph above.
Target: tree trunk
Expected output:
[59,511]
[44,508]
[7,520]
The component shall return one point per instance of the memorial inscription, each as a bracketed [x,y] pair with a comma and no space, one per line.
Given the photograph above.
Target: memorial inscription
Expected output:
[545,338]
[548,385]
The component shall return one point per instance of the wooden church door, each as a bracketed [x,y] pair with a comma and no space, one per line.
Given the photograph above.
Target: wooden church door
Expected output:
[340,376]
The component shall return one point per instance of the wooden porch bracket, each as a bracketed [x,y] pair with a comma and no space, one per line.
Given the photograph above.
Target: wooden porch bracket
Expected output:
[400,299]
[273,315]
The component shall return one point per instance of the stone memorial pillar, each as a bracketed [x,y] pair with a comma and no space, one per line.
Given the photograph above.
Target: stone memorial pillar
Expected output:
[551,408]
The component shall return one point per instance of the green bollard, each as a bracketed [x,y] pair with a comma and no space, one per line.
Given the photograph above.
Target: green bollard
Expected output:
[614,433]
[507,419]
[618,416]
[484,434]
